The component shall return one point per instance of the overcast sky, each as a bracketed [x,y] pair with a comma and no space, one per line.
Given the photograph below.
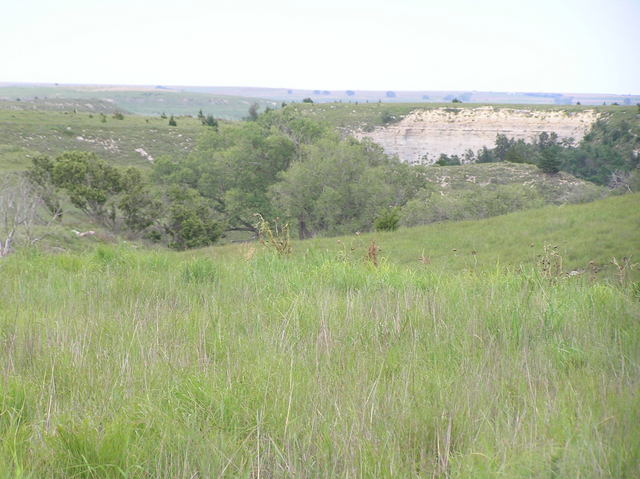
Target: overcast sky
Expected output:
[579,46]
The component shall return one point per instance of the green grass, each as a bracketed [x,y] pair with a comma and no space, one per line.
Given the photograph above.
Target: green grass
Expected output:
[594,231]
[26,133]
[230,362]
[558,189]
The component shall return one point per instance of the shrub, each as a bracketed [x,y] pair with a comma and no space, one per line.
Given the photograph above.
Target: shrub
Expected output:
[386,117]
[209,120]
[389,220]
[469,204]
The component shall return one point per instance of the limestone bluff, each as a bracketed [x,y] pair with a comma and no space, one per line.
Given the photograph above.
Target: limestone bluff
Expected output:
[424,134]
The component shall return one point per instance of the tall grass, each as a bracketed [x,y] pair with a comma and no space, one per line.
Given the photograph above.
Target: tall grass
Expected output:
[123,363]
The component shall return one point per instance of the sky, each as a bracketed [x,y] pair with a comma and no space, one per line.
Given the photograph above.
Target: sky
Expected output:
[576,46]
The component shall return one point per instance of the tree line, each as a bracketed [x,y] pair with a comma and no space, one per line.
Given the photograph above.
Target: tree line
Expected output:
[281,165]
[606,156]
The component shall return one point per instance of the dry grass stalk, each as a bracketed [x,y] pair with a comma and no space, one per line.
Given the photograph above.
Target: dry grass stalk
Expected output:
[550,262]
[624,267]
[249,253]
[372,253]
[277,238]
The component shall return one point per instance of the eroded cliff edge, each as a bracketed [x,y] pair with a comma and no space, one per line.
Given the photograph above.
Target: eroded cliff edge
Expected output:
[423,135]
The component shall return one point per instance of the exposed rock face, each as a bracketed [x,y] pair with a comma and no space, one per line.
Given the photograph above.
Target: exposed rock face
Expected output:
[423,135]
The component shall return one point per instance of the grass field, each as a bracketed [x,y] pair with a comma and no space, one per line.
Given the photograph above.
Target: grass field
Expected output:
[583,233]
[236,362]
[24,134]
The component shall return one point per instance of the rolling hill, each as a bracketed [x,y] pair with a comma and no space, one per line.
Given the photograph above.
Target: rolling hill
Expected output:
[151,101]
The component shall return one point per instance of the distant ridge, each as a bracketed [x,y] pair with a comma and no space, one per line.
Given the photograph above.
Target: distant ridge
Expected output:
[353,95]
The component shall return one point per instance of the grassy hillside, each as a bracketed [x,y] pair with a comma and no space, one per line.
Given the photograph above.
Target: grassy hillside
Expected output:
[235,362]
[26,133]
[558,189]
[593,232]
[143,101]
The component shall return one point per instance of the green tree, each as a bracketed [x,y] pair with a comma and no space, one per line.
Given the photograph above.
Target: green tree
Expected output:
[339,187]
[139,208]
[233,168]
[40,175]
[253,112]
[446,160]
[172,121]
[190,223]
[549,162]
[502,146]
[90,183]
[301,131]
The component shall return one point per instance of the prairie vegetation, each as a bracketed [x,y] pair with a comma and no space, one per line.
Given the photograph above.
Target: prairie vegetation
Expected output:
[25,134]
[464,353]
[506,346]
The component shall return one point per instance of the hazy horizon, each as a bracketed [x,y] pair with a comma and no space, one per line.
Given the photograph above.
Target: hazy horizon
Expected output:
[294,88]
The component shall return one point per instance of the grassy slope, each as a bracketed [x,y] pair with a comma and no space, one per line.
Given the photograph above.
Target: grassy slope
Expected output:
[125,363]
[25,133]
[595,232]
[144,101]
[557,189]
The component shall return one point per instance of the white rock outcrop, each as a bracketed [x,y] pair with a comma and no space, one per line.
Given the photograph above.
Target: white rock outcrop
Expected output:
[423,135]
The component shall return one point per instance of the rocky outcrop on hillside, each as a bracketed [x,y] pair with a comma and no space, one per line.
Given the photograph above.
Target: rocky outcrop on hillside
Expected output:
[423,135]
